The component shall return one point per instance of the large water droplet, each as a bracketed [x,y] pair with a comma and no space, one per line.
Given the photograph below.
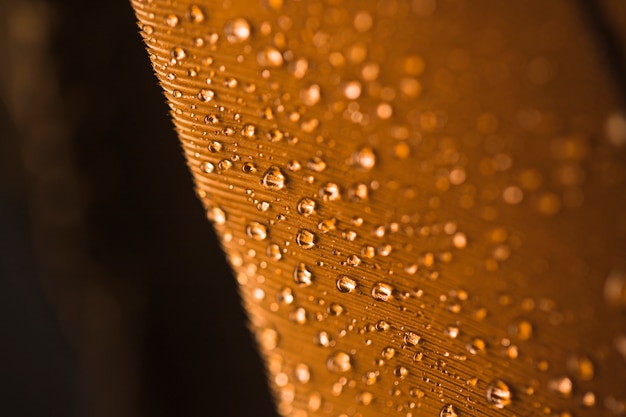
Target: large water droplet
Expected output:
[206,95]
[274,179]
[411,338]
[498,394]
[330,192]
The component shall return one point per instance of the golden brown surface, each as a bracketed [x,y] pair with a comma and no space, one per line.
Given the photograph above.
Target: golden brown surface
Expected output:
[423,202]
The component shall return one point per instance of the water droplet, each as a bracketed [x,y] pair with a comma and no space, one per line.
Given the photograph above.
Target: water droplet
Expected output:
[452,331]
[339,362]
[311,95]
[498,394]
[364,158]
[411,338]
[615,128]
[345,284]
[448,411]
[248,131]
[401,372]
[305,239]
[302,276]
[237,30]
[224,165]
[306,206]
[256,231]
[323,339]
[382,291]
[268,338]
[388,353]
[476,346]
[353,260]
[269,57]
[298,315]
[249,168]
[352,90]
[171,20]
[211,119]
[274,252]
[581,367]
[207,167]
[195,14]
[285,296]
[275,135]
[206,95]
[177,53]
[561,385]
[330,191]
[615,289]
[274,179]
[316,164]
[302,373]
[217,215]
[327,225]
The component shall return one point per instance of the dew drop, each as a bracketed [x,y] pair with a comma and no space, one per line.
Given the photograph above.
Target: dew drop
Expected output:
[323,339]
[302,373]
[171,20]
[269,57]
[306,206]
[273,251]
[353,260]
[345,284]
[448,410]
[274,179]
[217,215]
[195,14]
[249,168]
[237,30]
[211,119]
[411,338]
[498,394]
[561,385]
[248,131]
[302,276]
[206,95]
[311,95]
[305,239]
[388,353]
[476,346]
[330,191]
[352,90]
[256,231]
[382,291]
[177,53]
[364,158]
[615,289]
[339,362]
[207,167]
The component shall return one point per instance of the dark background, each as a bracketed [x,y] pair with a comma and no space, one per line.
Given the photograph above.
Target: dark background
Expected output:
[115,297]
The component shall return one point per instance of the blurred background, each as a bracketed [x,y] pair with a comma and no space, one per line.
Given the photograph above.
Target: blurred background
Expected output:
[115,299]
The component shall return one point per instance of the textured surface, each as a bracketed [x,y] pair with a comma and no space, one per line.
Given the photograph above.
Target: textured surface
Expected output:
[422,202]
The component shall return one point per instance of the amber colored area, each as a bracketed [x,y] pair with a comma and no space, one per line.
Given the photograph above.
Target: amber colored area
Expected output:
[422,201]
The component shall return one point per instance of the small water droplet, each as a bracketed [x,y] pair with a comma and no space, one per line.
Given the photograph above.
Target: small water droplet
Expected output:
[195,14]
[206,95]
[388,353]
[249,168]
[476,346]
[256,231]
[269,57]
[448,410]
[217,215]
[498,394]
[306,206]
[411,338]
[171,20]
[561,385]
[346,284]
[207,167]
[311,95]
[305,239]
[274,252]
[364,158]
[330,191]
[302,276]
[274,179]
[237,30]
[248,131]
[177,53]
[339,362]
